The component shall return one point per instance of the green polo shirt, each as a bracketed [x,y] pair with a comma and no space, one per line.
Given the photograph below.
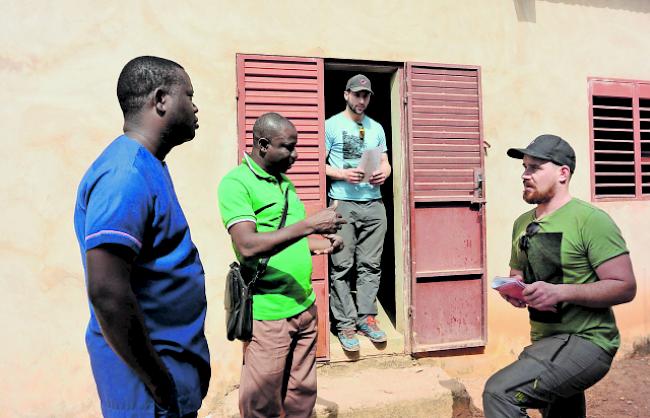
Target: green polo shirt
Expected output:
[250,194]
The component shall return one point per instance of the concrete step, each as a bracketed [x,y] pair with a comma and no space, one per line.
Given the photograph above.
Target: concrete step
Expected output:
[377,388]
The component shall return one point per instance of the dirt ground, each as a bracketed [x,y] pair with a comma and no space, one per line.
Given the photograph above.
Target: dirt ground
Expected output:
[623,393]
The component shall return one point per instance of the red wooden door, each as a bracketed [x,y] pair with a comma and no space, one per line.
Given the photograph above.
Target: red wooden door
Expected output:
[447,211]
[292,87]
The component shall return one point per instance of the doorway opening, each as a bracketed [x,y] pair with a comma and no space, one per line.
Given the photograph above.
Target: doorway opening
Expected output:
[382,77]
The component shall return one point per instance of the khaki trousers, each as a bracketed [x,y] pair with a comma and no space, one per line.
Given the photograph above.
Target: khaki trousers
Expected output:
[279,372]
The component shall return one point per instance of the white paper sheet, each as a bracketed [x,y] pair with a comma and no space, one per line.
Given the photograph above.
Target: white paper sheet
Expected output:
[369,163]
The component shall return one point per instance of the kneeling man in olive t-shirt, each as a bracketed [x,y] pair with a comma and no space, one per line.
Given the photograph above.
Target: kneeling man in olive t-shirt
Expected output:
[576,266]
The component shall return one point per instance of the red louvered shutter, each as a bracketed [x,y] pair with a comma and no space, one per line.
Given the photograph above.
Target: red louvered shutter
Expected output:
[447,207]
[619,113]
[292,87]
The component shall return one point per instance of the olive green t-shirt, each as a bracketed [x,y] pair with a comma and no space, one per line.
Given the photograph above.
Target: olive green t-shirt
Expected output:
[250,194]
[570,244]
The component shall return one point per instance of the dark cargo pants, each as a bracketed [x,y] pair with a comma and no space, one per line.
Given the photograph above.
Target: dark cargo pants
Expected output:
[551,375]
[363,237]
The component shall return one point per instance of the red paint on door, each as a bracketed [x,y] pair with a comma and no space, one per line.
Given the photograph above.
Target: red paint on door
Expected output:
[447,211]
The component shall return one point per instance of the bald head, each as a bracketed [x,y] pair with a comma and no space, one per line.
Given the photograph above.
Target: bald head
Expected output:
[268,126]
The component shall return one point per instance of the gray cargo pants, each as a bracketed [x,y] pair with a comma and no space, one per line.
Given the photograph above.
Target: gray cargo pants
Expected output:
[551,375]
[363,237]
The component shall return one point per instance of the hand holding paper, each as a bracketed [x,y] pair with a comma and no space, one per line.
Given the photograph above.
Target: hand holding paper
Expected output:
[369,163]
[509,286]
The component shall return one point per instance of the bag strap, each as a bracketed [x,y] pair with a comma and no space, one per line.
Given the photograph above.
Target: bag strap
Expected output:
[261,266]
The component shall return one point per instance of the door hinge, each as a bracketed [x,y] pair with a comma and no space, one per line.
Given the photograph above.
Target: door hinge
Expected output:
[410,312]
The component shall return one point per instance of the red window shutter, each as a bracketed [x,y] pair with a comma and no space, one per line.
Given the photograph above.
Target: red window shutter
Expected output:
[620,139]
[292,87]
[643,93]
[444,131]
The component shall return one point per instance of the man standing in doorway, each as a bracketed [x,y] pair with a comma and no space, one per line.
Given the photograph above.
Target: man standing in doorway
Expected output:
[576,266]
[278,377]
[358,198]
[145,281]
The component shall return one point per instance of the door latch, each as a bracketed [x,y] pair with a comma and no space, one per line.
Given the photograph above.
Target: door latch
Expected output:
[478,184]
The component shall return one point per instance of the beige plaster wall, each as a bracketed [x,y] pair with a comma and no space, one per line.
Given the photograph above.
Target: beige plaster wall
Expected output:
[58,68]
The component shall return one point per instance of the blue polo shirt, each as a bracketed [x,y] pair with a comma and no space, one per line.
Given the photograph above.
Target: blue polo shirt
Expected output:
[127,198]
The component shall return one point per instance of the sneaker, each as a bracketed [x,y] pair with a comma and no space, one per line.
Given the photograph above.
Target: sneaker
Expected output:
[370,329]
[348,339]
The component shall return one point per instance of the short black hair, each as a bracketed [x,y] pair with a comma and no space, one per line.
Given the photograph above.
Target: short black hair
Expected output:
[268,125]
[140,77]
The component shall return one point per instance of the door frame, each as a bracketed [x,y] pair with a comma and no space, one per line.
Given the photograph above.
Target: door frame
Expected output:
[399,193]
[403,196]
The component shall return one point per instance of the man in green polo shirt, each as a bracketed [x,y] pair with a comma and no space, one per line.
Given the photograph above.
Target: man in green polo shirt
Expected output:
[279,371]
[576,266]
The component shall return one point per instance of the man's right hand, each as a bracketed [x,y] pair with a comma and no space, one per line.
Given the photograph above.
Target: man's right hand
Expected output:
[327,221]
[514,301]
[119,316]
[164,393]
[352,175]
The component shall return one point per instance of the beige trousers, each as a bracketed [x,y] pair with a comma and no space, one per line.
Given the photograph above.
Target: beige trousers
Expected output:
[278,377]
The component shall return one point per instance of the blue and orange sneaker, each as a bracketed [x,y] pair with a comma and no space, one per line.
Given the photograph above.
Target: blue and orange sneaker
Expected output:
[348,339]
[369,328]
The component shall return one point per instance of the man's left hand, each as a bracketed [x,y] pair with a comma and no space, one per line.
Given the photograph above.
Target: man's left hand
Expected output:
[336,245]
[543,296]
[378,177]
[336,241]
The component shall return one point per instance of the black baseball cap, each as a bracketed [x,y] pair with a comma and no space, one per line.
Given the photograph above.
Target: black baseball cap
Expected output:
[359,82]
[548,147]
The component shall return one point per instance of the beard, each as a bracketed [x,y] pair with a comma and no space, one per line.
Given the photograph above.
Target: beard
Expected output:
[354,110]
[178,135]
[537,197]
[184,131]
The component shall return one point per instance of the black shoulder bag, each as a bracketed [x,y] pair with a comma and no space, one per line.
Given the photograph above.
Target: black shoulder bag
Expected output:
[238,297]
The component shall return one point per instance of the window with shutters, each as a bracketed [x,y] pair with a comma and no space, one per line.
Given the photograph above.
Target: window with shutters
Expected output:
[620,139]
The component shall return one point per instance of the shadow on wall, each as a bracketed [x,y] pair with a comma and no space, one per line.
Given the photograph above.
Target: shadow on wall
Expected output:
[526,8]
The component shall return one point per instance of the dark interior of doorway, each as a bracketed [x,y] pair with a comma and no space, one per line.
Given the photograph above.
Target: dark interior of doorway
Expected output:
[379,109]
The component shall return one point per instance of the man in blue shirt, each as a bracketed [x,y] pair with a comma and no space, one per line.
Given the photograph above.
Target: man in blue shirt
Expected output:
[356,191]
[145,281]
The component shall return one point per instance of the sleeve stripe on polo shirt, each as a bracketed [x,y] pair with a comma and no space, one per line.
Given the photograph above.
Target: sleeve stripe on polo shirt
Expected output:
[240,220]
[113,232]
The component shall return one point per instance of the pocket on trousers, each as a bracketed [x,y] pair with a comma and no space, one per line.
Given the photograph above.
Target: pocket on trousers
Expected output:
[547,348]
[571,364]
[584,364]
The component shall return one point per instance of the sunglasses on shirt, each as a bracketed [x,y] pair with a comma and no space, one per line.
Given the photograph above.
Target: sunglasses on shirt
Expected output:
[362,131]
[531,229]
